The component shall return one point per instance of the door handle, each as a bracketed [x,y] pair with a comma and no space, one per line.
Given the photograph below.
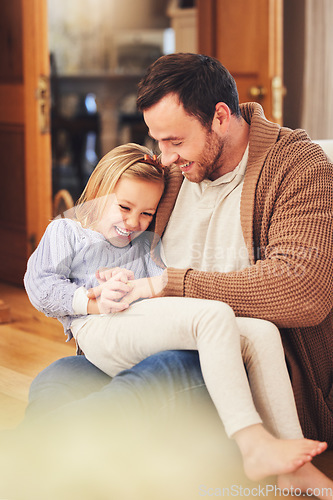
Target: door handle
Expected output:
[43,96]
[257,92]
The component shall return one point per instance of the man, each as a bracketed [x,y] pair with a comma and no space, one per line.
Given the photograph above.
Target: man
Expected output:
[284,214]
[251,206]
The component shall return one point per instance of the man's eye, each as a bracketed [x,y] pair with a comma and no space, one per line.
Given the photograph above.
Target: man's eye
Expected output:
[177,143]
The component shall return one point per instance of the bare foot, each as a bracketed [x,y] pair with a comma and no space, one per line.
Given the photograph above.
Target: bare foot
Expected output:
[264,455]
[309,480]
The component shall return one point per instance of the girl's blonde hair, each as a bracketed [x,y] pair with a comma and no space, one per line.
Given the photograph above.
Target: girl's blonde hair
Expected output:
[128,160]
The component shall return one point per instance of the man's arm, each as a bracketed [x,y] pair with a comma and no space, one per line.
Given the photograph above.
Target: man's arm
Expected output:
[291,282]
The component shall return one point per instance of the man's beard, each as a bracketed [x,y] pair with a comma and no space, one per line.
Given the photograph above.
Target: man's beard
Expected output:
[210,159]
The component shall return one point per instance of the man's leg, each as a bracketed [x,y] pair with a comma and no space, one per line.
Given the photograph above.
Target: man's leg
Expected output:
[159,384]
[78,458]
[64,381]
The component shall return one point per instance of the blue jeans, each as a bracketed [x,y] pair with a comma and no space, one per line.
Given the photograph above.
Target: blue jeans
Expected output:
[158,385]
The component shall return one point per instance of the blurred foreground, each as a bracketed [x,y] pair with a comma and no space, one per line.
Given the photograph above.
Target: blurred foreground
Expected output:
[92,457]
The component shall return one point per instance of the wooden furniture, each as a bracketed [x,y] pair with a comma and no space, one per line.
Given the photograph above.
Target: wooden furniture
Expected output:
[62,202]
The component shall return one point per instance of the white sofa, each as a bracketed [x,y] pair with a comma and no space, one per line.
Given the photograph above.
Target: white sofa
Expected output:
[327,145]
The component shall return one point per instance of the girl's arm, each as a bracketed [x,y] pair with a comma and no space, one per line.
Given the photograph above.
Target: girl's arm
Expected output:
[142,288]
[148,270]
[47,277]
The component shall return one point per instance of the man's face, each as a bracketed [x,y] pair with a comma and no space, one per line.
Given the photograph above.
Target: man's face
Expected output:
[184,141]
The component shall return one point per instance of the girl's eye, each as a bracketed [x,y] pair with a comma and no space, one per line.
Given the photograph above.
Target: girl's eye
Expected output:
[123,207]
[147,214]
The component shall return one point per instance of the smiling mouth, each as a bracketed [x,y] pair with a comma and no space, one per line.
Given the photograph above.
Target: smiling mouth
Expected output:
[123,232]
[186,166]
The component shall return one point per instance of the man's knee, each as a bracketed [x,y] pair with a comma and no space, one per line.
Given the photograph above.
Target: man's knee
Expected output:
[173,366]
[73,374]
[160,377]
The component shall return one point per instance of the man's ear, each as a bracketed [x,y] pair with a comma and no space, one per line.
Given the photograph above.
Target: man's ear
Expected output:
[221,117]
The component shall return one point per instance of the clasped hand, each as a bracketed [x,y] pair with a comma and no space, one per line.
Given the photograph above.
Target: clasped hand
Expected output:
[118,289]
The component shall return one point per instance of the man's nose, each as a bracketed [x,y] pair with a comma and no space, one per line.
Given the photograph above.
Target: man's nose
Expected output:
[168,156]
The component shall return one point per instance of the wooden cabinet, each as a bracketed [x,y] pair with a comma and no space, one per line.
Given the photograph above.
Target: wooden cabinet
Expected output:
[185,25]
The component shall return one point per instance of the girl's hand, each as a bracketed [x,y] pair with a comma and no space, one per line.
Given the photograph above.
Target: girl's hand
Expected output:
[118,293]
[105,298]
[106,273]
[145,288]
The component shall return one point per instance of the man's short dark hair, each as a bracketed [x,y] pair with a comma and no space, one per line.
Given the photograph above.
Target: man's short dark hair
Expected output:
[199,81]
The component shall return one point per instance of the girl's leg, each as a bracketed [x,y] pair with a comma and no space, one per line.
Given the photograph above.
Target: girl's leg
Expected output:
[263,356]
[122,340]
[118,341]
[273,396]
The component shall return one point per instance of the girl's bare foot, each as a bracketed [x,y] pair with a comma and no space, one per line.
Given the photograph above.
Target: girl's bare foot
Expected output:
[309,480]
[264,455]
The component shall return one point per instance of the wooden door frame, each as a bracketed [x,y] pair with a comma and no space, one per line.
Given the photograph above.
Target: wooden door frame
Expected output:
[207,27]
[38,162]
[26,200]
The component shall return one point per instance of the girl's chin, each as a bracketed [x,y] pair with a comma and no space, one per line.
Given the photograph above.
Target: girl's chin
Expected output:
[120,242]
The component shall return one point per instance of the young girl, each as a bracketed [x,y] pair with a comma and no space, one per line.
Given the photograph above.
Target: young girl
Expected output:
[107,229]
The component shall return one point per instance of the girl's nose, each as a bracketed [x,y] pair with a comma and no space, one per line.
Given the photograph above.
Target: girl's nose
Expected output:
[132,222]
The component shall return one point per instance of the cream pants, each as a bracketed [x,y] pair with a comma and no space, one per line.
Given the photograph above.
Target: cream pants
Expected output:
[260,393]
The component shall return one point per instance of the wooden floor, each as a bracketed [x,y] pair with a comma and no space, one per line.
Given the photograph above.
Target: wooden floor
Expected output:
[29,343]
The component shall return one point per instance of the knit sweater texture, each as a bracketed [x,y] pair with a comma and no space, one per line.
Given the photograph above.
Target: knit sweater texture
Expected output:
[286,217]
[67,258]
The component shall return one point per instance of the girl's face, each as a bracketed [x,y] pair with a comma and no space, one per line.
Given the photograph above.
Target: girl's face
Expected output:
[129,210]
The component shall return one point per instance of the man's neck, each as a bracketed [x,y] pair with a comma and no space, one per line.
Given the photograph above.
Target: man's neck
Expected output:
[235,146]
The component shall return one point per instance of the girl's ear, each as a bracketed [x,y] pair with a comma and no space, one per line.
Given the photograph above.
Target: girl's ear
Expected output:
[221,117]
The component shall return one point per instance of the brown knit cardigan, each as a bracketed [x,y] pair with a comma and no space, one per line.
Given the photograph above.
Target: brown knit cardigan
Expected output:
[286,217]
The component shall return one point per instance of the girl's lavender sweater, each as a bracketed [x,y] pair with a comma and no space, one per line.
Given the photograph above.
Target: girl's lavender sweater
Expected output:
[67,258]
